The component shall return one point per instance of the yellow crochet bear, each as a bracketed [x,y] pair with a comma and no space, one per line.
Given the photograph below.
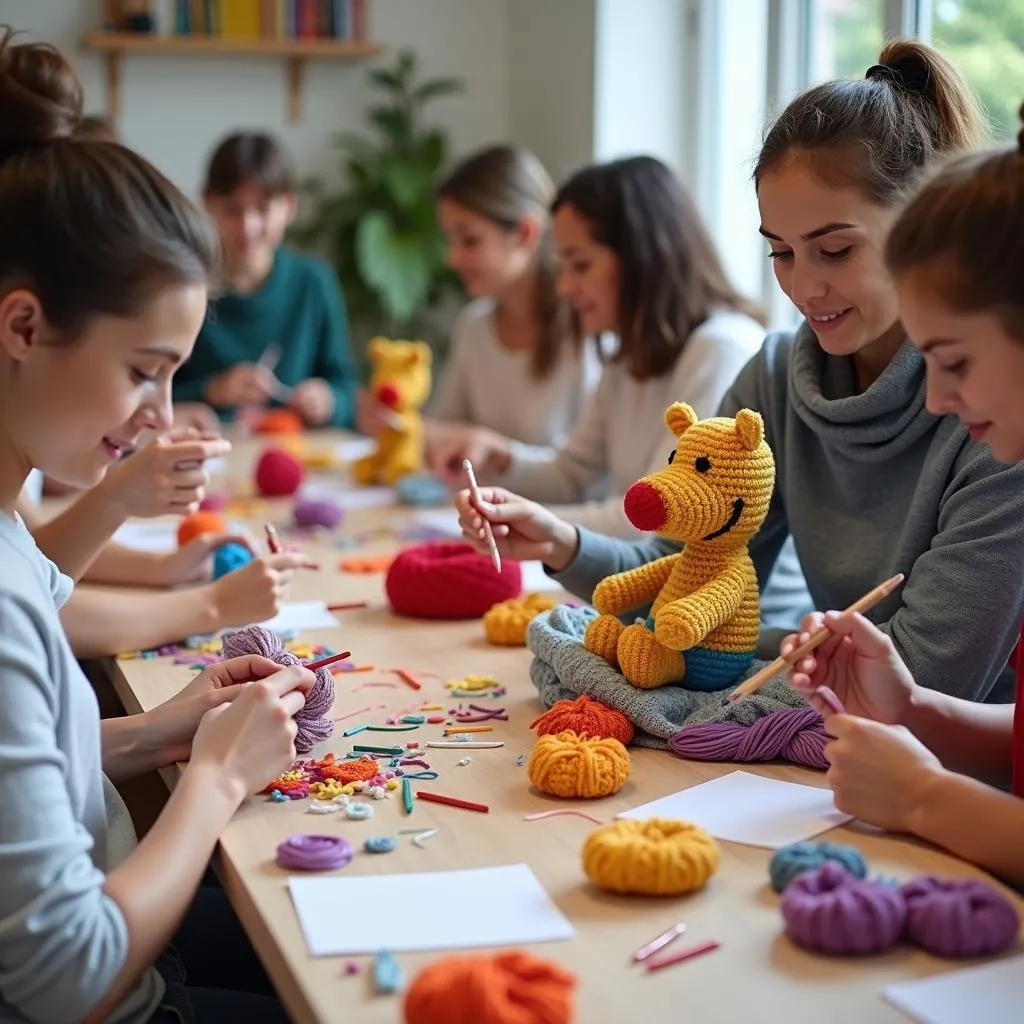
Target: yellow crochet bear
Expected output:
[713,497]
[400,381]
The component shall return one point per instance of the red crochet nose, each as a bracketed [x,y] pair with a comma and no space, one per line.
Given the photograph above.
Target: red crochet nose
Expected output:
[644,507]
[387,394]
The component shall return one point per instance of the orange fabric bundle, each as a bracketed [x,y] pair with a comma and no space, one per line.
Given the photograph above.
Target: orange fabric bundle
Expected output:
[585,717]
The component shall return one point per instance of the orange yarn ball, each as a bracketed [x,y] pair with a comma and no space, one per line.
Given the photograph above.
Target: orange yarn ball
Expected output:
[280,421]
[199,523]
[356,770]
[585,717]
[568,766]
[509,988]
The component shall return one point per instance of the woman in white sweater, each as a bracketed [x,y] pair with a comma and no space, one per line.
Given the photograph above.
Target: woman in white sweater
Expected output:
[517,376]
[637,262]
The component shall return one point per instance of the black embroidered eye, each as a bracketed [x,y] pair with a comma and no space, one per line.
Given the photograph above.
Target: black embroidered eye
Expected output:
[702,465]
[672,456]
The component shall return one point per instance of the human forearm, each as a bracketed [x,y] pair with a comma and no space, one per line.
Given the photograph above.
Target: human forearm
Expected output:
[973,739]
[116,564]
[128,749]
[156,883]
[101,623]
[975,822]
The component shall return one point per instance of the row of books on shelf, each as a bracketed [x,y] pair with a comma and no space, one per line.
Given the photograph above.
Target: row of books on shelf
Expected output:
[265,19]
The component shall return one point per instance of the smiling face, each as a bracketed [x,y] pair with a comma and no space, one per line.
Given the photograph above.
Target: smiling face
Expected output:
[827,248]
[589,276]
[975,367]
[72,409]
[252,224]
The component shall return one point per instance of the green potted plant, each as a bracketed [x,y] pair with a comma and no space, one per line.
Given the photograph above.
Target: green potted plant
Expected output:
[380,229]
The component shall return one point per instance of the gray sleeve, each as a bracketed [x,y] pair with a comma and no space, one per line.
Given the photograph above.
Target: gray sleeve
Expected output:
[962,603]
[63,941]
[449,401]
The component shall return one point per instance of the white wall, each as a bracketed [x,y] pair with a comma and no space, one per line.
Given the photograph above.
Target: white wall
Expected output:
[174,109]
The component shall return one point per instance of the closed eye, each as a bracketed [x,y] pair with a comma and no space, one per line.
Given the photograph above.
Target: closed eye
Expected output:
[143,378]
[836,255]
[776,254]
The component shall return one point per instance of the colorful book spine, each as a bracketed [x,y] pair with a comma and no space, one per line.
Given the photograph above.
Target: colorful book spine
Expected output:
[266,19]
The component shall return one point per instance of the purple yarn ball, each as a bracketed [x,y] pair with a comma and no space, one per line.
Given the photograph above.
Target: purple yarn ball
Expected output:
[793,734]
[314,853]
[313,720]
[955,917]
[831,911]
[309,512]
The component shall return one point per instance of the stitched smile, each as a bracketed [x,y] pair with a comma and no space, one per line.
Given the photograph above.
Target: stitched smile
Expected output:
[737,511]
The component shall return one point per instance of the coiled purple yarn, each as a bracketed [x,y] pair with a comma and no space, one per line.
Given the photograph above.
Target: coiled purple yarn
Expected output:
[831,911]
[956,917]
[314,853]
[309,512]
[793,734]
[312,720]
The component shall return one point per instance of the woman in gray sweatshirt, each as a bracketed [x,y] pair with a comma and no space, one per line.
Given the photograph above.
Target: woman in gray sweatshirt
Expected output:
[869,483]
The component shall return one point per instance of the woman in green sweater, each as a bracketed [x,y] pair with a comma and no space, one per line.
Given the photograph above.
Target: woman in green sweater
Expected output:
[279,335]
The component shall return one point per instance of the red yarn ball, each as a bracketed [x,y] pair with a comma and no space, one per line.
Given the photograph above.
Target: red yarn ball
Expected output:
[448,581]
[278,474]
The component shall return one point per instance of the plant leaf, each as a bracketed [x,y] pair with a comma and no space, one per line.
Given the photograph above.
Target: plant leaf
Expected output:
[387,79]
[437,87]
[432,151]
[393,264]
[407,183]
[392,121]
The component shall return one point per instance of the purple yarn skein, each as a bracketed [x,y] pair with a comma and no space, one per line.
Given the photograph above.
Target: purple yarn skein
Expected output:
[955,917]
[313,719]
[794,734]
[831,911]
[309,512]
[314,853]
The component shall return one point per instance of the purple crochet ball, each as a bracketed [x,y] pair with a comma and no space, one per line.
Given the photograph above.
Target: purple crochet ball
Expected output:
[831,911]
[955,917]
[323,512]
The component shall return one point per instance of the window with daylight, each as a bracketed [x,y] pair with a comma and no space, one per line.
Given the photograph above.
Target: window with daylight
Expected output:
[844,37]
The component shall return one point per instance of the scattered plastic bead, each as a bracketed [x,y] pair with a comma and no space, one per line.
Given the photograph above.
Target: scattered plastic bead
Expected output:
[388,977]
[376,792]
[352,967]
[379,844]
[278,797]
[324,807]
[463,761]
[358,811]
[392,783]
[521,759]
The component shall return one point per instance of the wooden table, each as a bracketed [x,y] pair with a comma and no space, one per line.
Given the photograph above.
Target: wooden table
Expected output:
[757,975]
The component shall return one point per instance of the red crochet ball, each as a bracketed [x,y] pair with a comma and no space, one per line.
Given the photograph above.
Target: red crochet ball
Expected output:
[278,474]
[448,581]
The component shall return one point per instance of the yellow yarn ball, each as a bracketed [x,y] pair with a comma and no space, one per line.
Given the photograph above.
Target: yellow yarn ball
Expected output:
[568,766]
[505,623]
[656,857]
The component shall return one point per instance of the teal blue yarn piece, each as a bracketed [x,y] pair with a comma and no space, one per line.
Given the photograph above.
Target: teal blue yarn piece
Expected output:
[798,858]
[229,557]
[420,490]
[379,844]
[388,977]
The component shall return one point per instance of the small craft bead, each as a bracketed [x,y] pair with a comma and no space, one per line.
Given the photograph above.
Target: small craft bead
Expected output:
[377,792]
[959,917]
[392,783]
[358,811]
[326,790]
[351,967]
[656,857]
[379,844]
[792,861]
[505,623]
[314,853]
[278,797]
[567,766]
[585,717]
[831,911]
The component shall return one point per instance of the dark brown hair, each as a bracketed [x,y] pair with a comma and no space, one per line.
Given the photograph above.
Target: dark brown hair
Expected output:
[878,133]
[250,158]
[670,277]
[96,128]
[90,227]
[505,184]
[963,231]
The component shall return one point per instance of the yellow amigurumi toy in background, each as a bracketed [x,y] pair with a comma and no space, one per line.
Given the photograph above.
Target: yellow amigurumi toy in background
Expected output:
[400,381]
[712,497]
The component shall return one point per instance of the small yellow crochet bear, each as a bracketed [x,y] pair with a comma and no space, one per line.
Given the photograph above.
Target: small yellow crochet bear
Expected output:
[400,381]
[713,497]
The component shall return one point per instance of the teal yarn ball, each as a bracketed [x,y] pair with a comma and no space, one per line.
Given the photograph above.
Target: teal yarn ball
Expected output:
[229,557]
[791,861]
[421,490]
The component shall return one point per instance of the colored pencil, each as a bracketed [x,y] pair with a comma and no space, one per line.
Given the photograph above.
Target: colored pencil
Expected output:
[451,801]
[477,500]
[453,729]
[660,942]
[324,662]
[347,606]
[272,542]
[868,601]
[409,679]
[683,954]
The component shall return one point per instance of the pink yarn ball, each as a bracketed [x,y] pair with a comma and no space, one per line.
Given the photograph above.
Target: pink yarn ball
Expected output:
[831,911]
[317,512]
[958,916]
[278,473]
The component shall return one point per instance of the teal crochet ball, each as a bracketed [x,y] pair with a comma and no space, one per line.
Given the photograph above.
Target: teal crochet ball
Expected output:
[229,557]
[421,490]
[791,861]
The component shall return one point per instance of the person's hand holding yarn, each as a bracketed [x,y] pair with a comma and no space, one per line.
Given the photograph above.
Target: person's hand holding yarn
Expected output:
[254,593]
[165,477]
[448,444]
[191,563]
[242,384]
[879,773]
[170,727]
[313,400]
[858,663]
[246,742]
[523,530]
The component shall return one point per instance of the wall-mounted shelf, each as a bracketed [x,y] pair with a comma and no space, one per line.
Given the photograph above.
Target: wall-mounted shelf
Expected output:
[295,52]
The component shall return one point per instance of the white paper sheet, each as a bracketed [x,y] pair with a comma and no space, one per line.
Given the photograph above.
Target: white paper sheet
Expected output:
[353,448]
[536,580]
[296,616]
[158,536]
[989,994]
[480,907]
[443,521]
[745,808]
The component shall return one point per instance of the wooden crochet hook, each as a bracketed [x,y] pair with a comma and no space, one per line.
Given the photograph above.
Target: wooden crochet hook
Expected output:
[816,639]
[477,501]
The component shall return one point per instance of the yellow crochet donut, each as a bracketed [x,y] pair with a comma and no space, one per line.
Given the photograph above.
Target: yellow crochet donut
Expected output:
[567,766]
[505,623]
[656,857]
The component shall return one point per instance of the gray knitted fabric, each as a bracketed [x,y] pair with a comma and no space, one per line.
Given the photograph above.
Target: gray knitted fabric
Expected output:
[562,669]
